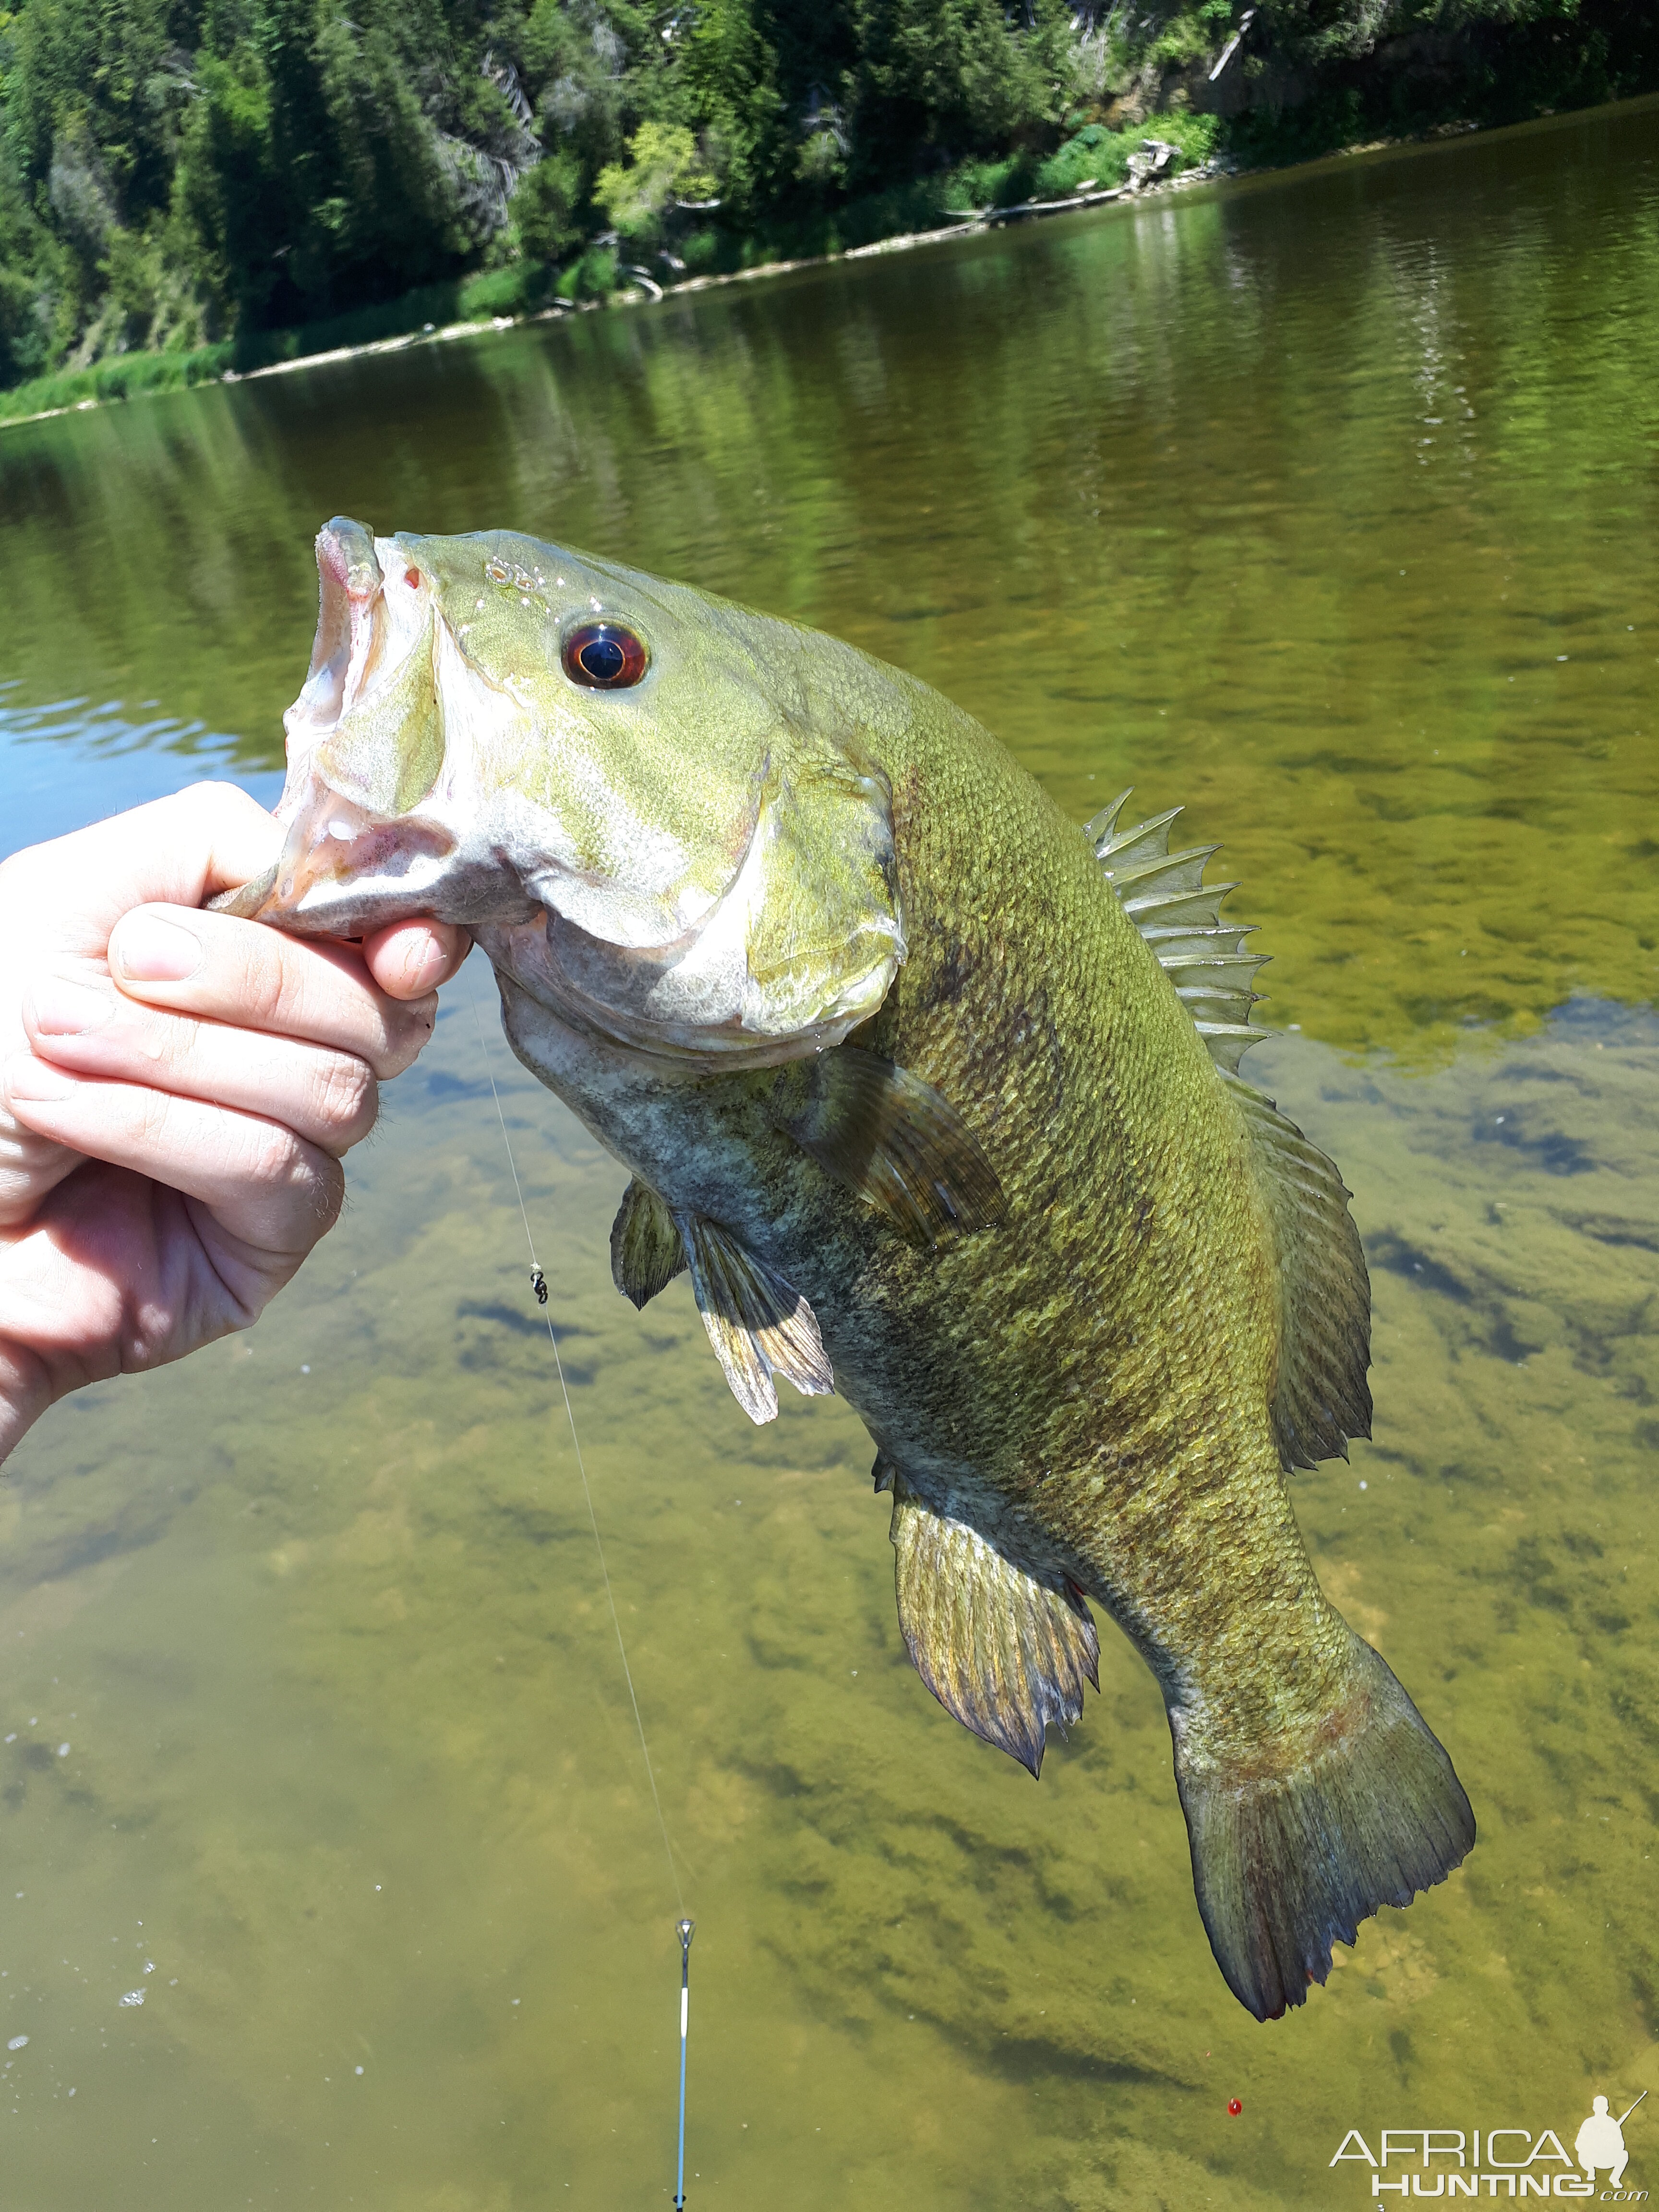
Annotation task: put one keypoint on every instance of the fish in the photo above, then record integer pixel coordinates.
(935, 1095)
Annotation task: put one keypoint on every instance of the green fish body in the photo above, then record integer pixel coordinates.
(935, 1094)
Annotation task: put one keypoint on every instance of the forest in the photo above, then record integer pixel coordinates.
(253, 177)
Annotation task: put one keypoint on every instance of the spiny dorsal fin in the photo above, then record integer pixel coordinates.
(1320, 1396)
(646, 1250)
(897, 1142)
(758, 1322)
(1179, 914)
(1006, 1654)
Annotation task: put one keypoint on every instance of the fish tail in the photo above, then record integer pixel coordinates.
(1289, 1855)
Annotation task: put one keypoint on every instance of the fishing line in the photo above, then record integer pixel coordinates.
(684, 1927)
(538, 1283)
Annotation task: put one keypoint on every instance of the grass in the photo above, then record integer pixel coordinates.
(123, 376)
(519, 290)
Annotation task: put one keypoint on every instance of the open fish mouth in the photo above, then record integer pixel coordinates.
(374, 832)
(356, 855)
(362, 631)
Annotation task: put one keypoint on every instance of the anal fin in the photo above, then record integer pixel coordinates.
(647, 1252)
(898, 1143)
(1003, 1651)
(758, 1322)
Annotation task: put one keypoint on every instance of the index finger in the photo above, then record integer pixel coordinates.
(250, 977)
(180, 851)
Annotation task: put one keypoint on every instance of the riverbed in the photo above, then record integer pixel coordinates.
(1324, 503)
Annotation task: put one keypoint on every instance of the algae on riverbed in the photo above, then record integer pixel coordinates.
(322, 1631)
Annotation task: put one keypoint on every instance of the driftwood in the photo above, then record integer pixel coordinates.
(1233, 44)
(1027, 208)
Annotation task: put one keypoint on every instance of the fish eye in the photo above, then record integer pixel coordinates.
(605, 656)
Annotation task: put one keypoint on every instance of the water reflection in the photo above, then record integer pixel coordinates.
(73, 761)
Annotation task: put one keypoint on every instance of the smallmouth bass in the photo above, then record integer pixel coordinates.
(935, 1095)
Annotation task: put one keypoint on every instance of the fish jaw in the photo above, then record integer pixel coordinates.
(687, 868)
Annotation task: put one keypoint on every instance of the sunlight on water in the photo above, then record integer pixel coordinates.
(317, 1738)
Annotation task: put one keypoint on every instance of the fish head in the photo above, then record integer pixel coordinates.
(630, 791)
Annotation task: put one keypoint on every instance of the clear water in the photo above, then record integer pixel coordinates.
(1325, 503)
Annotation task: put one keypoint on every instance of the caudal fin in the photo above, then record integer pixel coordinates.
(1286, 1862)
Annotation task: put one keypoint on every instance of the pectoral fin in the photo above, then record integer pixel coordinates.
(758, 1322)
(1004, 1652)
(646, 1250)
(898, 1143)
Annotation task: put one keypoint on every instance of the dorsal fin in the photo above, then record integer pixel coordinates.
(1320, 1396)
(1004, 1652)
(1179, 914)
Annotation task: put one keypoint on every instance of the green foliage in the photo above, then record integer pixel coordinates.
(955, 77)
(544, 207)
(592, 276)
(662, 167)
(23, 337)
(1099, 159)
(123, 378)
(175, 174)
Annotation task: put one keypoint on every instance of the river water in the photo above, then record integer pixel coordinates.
(1324, 502)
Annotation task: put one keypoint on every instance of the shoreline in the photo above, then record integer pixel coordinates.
(970, 223)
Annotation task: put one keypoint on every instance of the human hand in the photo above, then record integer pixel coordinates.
(177, 1090)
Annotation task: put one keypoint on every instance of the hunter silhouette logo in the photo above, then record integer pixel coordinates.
(1601, 2141)
(1499, 2162)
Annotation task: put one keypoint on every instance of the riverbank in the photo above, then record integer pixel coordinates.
(509, 299)
(141, 375)
(268, 196)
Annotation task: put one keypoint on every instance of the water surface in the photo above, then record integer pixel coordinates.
(1326, 503)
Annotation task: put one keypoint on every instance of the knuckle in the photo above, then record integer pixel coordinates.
(407, 1031)
(331, 1196)
(277, 1157)
(266, 994)
(304, 1189)
(347, 1094)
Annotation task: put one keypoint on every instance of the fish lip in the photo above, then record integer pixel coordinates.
(344, 872)
(350, 588)
(317, 888)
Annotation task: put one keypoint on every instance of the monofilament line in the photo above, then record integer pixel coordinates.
(575, 1445)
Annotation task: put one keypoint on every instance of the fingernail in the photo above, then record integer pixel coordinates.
(25, 1077)
(150, 951)
(62, 1008)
